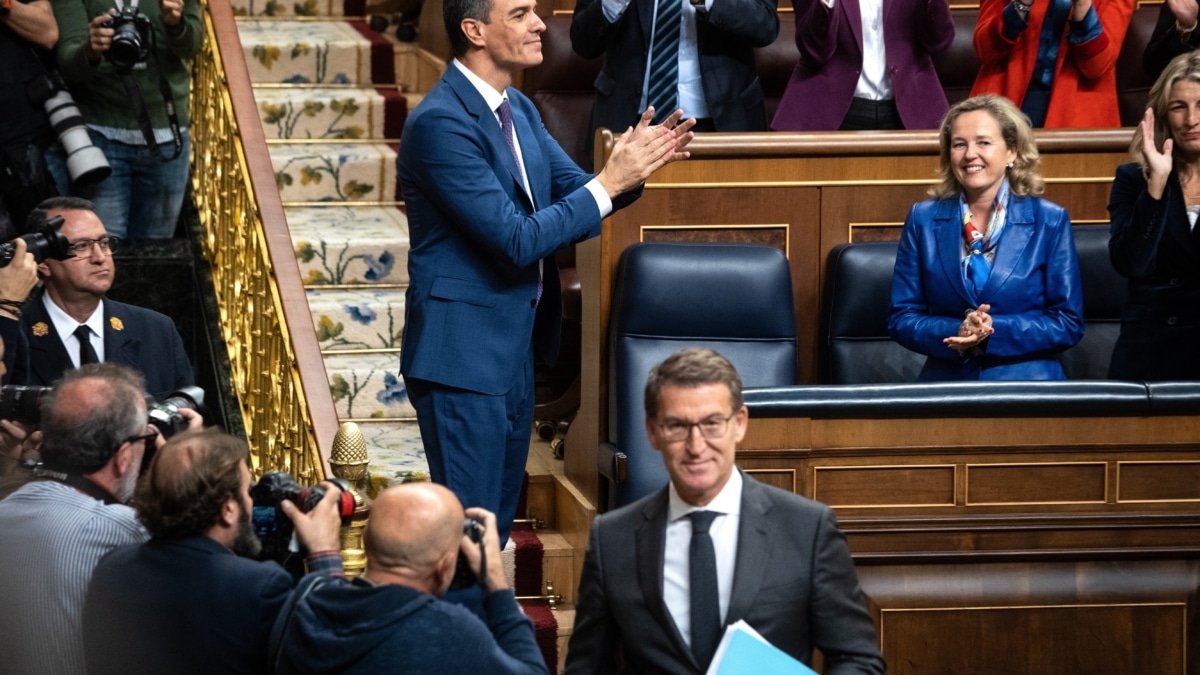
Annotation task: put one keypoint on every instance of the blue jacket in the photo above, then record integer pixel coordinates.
(476, 240)
(1034, 290)
(336, 626)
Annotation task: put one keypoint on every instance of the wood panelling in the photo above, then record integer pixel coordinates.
(1158, 481)
(1045, 482)
(871, 485)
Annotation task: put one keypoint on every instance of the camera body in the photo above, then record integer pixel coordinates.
(464, 577)
(130, 40)
(21, 403)
(164, 415)
(271, 524)
(46, 242)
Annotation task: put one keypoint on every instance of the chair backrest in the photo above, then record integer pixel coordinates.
(858, 295)
(958, 66)
(1104, 293)
(775, 64)
(1133, 82)
(734, 298)
(562, 88)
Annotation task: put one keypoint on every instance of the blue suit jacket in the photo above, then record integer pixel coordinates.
(476, 239)
(822, 85)
(136, 337)
(1034, 290)
(185, 606)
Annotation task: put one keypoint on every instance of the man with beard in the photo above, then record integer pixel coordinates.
(58, 526)
(190, 600)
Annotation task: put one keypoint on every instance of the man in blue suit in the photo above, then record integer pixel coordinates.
(73, 304)
(490, 197)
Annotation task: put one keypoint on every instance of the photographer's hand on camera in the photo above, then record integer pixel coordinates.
(319, 530)
(16, 280)
(100, 35)
(496, 580)
(17, 442)
(172, 15)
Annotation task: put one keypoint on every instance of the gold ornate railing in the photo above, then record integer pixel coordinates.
(277, 370)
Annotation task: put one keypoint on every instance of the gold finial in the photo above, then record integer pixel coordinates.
(349, 457)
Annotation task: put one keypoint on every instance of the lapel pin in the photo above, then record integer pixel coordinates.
(40, 329)
(116, 323)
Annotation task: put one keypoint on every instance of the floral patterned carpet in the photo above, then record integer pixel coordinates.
(332, 110)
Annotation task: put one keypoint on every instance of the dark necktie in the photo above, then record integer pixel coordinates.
(506, 123)
(662, 88)
(86, 353)
(702, 587)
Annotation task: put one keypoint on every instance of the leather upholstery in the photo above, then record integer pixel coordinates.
(775, 63)
(561, 88)
(734, 298)
(958, 65)
(857, 290)
(1133, 82)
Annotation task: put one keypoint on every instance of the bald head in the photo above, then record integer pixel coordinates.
(413, 528)
(89, 414)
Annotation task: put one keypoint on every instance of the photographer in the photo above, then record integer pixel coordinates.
(392, 618)
(24, 130)
(58, 526)
(188, 601)
(114, 55)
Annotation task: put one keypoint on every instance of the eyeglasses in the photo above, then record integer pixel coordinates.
(674, 431)
(144, 437)
(82, 248)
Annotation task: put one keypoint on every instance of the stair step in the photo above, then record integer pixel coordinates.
(395, 450)
(294, 8)
(316, 52)
(331, 113)
(368, 386)
(335, 172)
(350, 244)
(348, 319)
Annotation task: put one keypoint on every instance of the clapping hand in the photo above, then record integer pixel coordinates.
(1158, 163)
(973, 330)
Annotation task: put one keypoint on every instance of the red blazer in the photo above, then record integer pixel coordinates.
(1084, 93)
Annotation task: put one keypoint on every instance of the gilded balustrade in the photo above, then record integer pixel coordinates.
(277, 372)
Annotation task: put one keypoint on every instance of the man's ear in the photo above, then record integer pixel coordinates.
(230, 513)
(473, 29)
(443, 573)
(127, 459)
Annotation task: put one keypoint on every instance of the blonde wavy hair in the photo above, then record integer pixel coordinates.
(1023, 177)
(1182, 68)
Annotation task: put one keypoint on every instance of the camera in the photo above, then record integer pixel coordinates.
(20, 403)
(130, 40)
(164, 415)
(46, 242)
(86, 163)
(271, 524)
(464, 576)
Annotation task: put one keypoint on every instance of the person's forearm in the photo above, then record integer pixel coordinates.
(33, 22)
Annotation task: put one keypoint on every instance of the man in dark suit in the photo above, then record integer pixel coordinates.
(710, 68)
(73, 303)
(186, 601)
(663, 576)
(490, 197)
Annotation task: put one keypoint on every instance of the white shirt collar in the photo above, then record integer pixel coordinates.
(490, 96)
(727, 501)
(66, 325)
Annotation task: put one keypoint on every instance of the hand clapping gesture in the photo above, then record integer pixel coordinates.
(1158, 163)
(973, 330)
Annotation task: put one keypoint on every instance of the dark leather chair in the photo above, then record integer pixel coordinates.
(858, 350)
(1133, 83)
(734, 298)
(958, 66)
(1104, 293)
(775, 64)
(858, 295)
(561, 87)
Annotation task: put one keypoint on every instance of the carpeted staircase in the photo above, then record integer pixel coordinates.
(331, 107)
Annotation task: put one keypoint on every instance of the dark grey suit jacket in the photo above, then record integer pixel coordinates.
(794, 583)
(136, 337)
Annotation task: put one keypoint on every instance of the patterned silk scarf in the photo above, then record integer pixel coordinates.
(975, 266)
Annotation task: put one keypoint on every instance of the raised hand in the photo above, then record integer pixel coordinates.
(644, 149)
(1158, 163)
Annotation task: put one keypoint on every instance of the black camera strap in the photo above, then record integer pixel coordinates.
(143, 117)
(78, 482)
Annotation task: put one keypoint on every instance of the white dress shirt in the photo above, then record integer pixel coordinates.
(874, 81)
(676, 557)
(65, 325)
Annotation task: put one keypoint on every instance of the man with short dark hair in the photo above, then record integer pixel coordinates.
(391, 619)
(188, 601)
(71, 323)
(664, 576)
(57, 527)
(490, 197)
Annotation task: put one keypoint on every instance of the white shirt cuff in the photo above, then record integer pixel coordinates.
(601, 196)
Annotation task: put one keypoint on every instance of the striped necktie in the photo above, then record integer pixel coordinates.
(662, 90)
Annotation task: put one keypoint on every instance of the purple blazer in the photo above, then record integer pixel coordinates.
(830, 42)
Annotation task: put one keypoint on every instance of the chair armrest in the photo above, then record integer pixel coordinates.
(612, 463)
